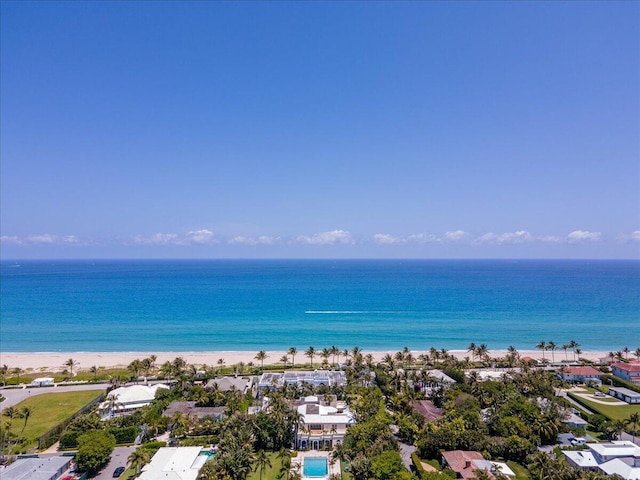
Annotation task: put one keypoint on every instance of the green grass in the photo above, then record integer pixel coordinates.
(48, 410)
(521, 472)
(613, 412)
(269, 473)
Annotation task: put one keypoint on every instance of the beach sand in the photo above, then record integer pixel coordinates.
(54, 361)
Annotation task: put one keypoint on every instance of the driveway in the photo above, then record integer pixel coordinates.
(118, 459)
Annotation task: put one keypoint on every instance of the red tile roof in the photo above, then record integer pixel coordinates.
(583, 371)
(627, 367)
(460, 461)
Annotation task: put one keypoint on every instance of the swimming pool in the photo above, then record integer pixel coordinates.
(315, 467)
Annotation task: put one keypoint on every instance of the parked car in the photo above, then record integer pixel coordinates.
(118, 471)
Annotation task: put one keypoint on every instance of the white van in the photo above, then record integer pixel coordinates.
(578, 441)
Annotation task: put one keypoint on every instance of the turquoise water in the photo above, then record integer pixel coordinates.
(251, 305)
(315, 467)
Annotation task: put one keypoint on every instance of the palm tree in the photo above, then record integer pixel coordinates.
(633, 422)
(94, 370)
(70, 363)
(5, 369)
(261, 355)
(636, 353)
(542, 345)
(472, 350)
(292, 351)
(25, 413)
(553, 347)
(573, 345)
(138, 458)
(284, 359)
(325, 354)
(565, 347)
(311, 352)
(110, 404)
(262, 461)
(134, 367)
(10, 413)
(334, 351)
(483, 351)
(626, 351)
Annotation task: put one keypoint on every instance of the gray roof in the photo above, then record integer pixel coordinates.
(226, 383)
(36, 468)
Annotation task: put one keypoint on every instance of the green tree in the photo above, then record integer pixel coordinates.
(387, 466)
(262, 461)
(542, 345)
(71, 363)
(94, 449)
(24, 414)
(633, 423)
(292, 352)
(261, 355)
(138, 458)
(310, 352)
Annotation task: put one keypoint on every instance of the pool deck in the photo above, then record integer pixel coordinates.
(299, 460)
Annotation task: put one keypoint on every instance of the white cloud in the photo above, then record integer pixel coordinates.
(158, 239)
(423, 238)
(455, 236)
(386, 239)
(11, 239)
(261, 240)
(578, 236)
(327, 238)
(200, 236)
(45, 238)
(521, 236)
(633, 237)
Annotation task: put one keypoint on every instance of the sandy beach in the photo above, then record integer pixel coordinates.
(54, 361)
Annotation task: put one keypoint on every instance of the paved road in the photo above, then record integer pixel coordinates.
(118, 459)
(16, 395)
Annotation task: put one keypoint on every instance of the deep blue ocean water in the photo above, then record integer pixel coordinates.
(250, 305)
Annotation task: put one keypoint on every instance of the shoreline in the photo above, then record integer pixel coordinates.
(53, 361)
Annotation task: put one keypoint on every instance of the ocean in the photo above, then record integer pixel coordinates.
(251, 305)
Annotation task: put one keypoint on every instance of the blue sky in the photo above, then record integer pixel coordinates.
(320, 129)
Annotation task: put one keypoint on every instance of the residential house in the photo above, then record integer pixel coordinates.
(614, 458)
(176, 463)
(323, 422)
(129, 399)
(466, 463)
(625, 394)
(627, 371)
(224, 384)
(50, 468)
(583, 374)
(316, 378)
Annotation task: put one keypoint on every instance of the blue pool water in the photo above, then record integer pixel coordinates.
(315, 467)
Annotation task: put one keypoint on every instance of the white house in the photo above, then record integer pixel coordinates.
(299, 377)
(618, 457)
(175, 463)
(323, 422)
(128, 399)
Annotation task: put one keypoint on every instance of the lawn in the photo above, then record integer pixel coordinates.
(269, 473)
(521, 472)
(48, 410)
(613, 412)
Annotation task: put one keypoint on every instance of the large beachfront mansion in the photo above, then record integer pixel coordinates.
(323, 422)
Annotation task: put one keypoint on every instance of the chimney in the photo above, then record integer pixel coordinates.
(467, 464)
